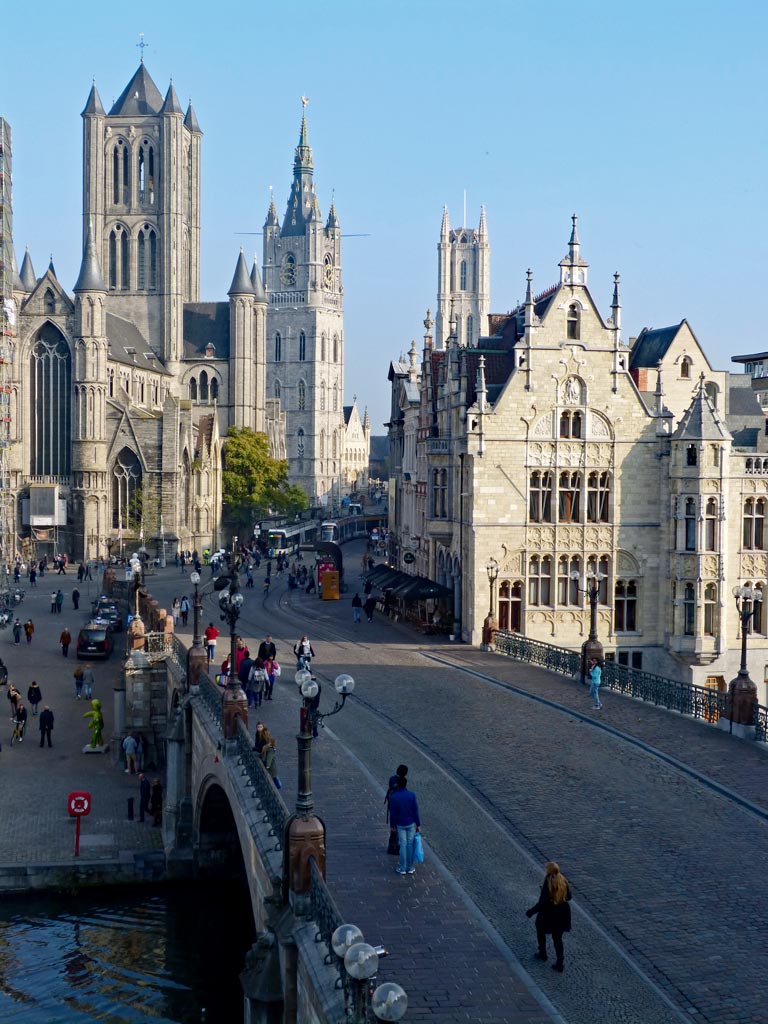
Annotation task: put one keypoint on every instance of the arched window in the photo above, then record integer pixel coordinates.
(121, 174)
(300, 442)
(278, 389)
(599, 565)
(570, 424)
(328, 275)
(685, 368)
(540, 580)
(470, 330)
(288, 271)
(322, 444)
(214, 389)
(756, 624)
(463, 276)
(569, 498)
(710, 525)
(192, 389)
(322, 396)
(335, 397)
(50, 403)
(335, 348)
(710, 609)
(598, 497)
(625, 606)
(126, 491)
(510, 605)
(689, 524)
(111, 383)
(335, 450)
(278, 347)
(146, 172)
(574, 322)
(203, 386)
(567, 588)
(540, 501)
(753, 524)
(147, 255)
(302, 346)
(119, 259)
(322, 347)
(302, 394)
(49, 302)
(689, 609)
(691, 455)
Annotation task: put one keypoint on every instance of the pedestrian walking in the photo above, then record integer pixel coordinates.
(144, 795)
(595, 679)
(184, 608)
(62, 567)
(553, 914)
(367, 588)
(303, 651)
(156, 803)
(33, 577)
(59, 601)
(88, 682)
(267, 649)
(29, 629)
(13, 698)
(129, 748)
(53, 602)
(65, 640)
(257, 681)
(88, 575)
(357, 606)
(76, 598)
(80, 572)
(46, 726)
(176, 610)
(78, 677)
(211, 635)
(270, 671)
(244, 676)
(17, 632)
(34, 696)
(404, 820)
(20, 722)
(369, 607)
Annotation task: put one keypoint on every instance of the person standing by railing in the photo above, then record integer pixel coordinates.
(595, 679)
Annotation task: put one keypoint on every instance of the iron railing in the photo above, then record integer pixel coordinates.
(210, 694)
(269, 800)
(325, 914)
(697, 701)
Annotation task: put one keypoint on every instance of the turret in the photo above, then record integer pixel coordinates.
(573, 269)
(27, 273)
(242, 362)
(259, 346)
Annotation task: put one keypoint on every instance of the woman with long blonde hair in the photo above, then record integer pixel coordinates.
(553, 914)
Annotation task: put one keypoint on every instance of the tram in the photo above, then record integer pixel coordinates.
(329, 531)
(286, 540)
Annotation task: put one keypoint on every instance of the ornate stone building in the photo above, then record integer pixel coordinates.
(556, 448)
(121, 393)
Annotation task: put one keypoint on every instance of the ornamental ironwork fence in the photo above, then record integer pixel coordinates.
(210, 694)
(325, 915)
(697, 701)
(269, 801)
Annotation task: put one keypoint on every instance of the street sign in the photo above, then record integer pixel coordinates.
(409, 557)
(78, 804)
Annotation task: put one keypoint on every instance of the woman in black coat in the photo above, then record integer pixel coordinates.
(553, 914)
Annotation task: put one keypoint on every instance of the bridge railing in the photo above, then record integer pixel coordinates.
(325, 915)
(210, 694)
(697, 701)
(270, 802)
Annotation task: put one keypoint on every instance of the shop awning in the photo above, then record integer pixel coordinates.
(419, 588)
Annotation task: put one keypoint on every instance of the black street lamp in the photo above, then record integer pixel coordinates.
(742, 692)
(361, 965)
(235, 703)
(591, 648)
(197, 609)
(489, 626)
(197, 659)
(305, 832)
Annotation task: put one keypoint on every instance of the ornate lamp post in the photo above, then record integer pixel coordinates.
(235, 703)
(304, 830)
(361, 965)
(490, 625)
(197, 659)
(742, 692)
(591, 648)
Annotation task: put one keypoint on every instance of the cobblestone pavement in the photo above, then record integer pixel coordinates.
(37, 828)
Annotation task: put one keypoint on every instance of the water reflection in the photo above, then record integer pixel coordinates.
(124, 956)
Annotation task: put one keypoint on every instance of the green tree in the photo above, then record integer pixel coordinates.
(253, 483)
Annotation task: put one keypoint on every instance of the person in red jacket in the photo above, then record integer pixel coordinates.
(211, 635)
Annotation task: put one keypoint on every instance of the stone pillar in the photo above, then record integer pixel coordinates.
(197, 662)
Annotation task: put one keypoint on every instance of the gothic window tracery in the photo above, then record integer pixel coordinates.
(146, 172)
(126, 490)
(119, 259)
(278, 347)
(300, 443)
(147, 243)
(302, 346)
(510, 605)
(50, 406)
(302, 394)
(121, 174)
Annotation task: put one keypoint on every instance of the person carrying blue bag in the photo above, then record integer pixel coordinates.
(404, 819)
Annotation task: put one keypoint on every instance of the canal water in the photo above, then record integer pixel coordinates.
(124, 956)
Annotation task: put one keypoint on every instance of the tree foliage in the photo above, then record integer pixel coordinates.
(253, 483)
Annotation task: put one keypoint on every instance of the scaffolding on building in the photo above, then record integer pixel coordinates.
(7, 326)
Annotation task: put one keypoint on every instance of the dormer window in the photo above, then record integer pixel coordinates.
(685, 368)
(574, 322)
(691, 455)
(210, 350)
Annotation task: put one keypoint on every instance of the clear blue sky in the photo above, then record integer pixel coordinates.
(646, 119)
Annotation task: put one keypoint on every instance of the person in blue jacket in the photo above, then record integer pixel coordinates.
(404, 819)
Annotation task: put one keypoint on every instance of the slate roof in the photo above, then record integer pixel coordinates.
(89, 279)
(652, 344)
(700, 421)
(256, 281)
(749, 358)
(190, 121)
(171, 104)
(129, 346)
(347, 410)
(241, 282)
(93, 103)
(206, 322)
(140, 96)
(27, 274)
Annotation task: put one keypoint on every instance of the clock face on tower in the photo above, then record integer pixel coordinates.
(328, 271)
(288, 271)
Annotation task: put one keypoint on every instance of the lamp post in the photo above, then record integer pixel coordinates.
(591, 648)
(742, 692)
(235, 703)
(361, 965)
(197, 659)
(305, 832)
(490, 625)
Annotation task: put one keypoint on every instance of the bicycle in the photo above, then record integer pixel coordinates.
(18, 731)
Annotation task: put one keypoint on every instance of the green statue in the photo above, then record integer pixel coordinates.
(96, 723)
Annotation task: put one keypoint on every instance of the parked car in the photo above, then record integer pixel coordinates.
(105, 608)
(95, 640)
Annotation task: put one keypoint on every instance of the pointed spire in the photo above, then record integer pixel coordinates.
(271, 221)
(480, 384)
(314, 215)
(483, 229)
(300, 207)
(51, 268)
(429, 323)
(529, 287)
(452, 325)
(89, 279)
(659, 390)
(333, 220)
(366, 420)
(258, 284)
(573, 243)
(445, 227)
(569, 274)
(241, 282)
(616, 302)
(412, 356)
(140, 96)
(93, 105)
(27, 273)
(190, 120)
(171, 104)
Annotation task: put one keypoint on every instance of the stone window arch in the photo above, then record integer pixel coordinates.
(126, 490)
(302, 394)
(463, 276)
(510, 605)
(119, 259)
(50, 403)
(278, 347)
(574, 322)
(147, 258)
(121, 173)
(300, 442)
(302, 346)
(146, 172)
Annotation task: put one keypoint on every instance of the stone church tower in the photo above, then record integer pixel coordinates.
(463, 282)
(305, 330)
